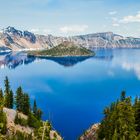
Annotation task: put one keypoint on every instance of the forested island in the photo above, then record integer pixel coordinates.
(24, 121)
(121, 121)
(64, 49)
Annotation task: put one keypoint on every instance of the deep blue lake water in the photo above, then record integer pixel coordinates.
(72, 92)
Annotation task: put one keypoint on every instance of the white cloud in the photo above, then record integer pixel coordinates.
(131, 18)
(114, 19)
(41, 31)
(115, 24)
(47, 31)
(112, 13)
(34, 30)
(74, 29)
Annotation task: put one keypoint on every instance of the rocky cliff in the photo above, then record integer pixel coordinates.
(12, 128)
(91, 133)
(16, 40)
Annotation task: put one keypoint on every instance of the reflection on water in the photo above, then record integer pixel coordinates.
(74, 97)
(12, 60)
(68, 61)
(128, 60)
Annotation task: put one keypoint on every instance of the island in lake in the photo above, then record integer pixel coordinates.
(64, 49)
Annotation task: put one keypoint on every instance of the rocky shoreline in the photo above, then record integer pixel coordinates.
(91, 133)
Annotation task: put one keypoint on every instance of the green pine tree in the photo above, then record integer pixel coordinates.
(7, 93)
(1, 98)
(11, 99)
(26, 104)
(39, 114)
(3, 122)
(119, 121)
(7, 85)
(125, 121)
(35, 108)
(123, 96)
(115, 135)
(137, 114)
(19, 99)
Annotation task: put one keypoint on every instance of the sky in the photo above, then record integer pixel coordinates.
(72, 17)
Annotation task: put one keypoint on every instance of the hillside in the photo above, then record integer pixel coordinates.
(24, 122)
(12, 39)
(121, 121)
(14, 128)
(11, 126)
(64, 49)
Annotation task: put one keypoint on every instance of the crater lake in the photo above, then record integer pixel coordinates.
(73, 91)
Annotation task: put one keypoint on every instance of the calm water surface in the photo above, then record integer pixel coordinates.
(72, 92)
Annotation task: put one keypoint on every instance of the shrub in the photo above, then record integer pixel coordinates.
(3, 122)
(33, 121)
(20, 121)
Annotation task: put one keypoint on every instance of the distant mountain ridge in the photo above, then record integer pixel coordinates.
(12, 39)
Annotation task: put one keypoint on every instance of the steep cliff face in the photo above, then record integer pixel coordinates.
(16, 40)
(91, 133)
(13, 128)
(106, 40)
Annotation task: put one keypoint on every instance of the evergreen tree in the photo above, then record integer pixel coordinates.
(115, 135)
(7, 93)
(7, 85)
(26, 104)
(119, 121)
(123, 96)
(7, 100)
(138, 137)
(22, 101)
(11, 99)
(126, 120)
(33, 121)
(1, 98)
(137, 114)
(1, 95)
(3, 122)
(39, 114)
(35, 108)
(19, 99)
